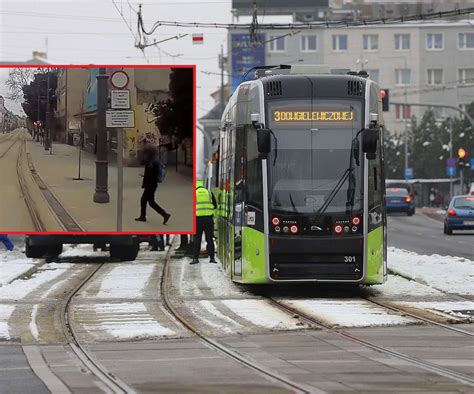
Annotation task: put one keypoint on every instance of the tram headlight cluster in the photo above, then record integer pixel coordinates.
(347, 226)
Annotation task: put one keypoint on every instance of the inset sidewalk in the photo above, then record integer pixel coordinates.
(59, 169)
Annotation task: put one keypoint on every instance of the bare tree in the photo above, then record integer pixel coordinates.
(17, 78)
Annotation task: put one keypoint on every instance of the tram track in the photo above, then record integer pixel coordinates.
(15, 138)
(446, 372)
(219, 347)
(110, 381)
(420, 318)
(29, 201)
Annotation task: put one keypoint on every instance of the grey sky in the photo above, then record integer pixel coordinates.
(83, 31)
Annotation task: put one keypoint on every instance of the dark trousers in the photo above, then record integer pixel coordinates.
(157, 242)
(204, 224)
(148, 196)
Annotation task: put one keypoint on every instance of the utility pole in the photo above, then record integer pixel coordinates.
(101, 194)
(450, 155)
(47, 133)
(38, 116)
(405, 109)
(119, 179)
(222, 80)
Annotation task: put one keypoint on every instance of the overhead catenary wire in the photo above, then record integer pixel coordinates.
(309, 25)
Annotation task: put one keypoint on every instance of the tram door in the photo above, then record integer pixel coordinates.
(239, 196)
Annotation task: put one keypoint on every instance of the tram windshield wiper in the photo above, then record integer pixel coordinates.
(348, 174)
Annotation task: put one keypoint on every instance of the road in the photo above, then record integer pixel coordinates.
(423, 235)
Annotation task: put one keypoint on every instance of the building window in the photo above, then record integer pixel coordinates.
(402, 76)
(309, 43)
(402, 42)
(276, 44)
(466, 75)
(373, 75)
(370, 42)
(435, 76)
(434, 41)
(339, 42)
(466, 40)
(402, 111)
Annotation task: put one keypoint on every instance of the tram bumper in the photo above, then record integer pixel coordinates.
(316, 259)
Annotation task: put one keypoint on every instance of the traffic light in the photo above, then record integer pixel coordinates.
(462, 158)
(384, 95)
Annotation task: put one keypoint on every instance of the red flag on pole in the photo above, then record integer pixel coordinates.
(198, 38)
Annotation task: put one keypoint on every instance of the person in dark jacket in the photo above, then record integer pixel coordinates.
(150, 184)
(6, 241)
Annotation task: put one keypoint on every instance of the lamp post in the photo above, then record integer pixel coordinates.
(101, 194)
(47, 132)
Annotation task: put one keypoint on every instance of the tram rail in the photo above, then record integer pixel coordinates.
(219, 347)
(111, 382)
(446, 372)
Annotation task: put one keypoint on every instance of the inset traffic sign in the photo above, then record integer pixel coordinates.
(119, 79)
(120, 99)
(409, 173)
(124, 119)
(451, 171)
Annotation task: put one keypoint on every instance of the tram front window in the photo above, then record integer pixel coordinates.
(312, 156)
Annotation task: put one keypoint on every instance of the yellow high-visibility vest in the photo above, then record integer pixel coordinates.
(204, 205)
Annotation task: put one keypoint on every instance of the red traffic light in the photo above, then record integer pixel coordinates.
(382, 94)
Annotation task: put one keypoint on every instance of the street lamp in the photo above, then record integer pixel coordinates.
(101, 194)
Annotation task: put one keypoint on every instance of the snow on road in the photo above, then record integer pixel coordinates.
(397, 286)
(122, 281)
(14, 264)
(462, 309)
(347, 312)
(445, 273)
(260, 313)
(123, 321)
(5, 313)
(20, 288)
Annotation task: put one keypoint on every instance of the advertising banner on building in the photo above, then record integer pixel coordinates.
(245, 55)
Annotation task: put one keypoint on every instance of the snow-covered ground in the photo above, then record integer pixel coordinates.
(347, 312)
(445, 273)
(130, 320)
(13, 264)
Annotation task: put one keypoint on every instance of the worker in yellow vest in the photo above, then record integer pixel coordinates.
(205, 205)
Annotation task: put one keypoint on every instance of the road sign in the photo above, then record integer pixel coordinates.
(409, 173)
(120, 99)
(119, 79)
(451, 171)
(124, 119)
(451, 162)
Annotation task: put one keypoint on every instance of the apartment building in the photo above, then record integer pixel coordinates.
(419, 62)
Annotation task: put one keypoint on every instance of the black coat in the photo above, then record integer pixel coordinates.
(152, 171)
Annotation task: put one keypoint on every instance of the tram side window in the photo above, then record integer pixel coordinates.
(375, 180)
(254, 170)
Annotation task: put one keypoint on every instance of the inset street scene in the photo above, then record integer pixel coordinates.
(97, 149)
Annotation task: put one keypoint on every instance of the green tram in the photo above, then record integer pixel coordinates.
(300, 181)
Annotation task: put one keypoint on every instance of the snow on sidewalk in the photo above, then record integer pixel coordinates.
(446, 273)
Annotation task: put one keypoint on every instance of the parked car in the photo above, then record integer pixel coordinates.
(460, 214)
(402, 185)
(399, 200)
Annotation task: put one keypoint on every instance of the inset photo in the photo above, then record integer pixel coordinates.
(92, 149)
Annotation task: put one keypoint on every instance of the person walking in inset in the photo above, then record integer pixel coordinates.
(150, 184)
(205, 205)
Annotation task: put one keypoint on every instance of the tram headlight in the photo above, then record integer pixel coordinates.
(355, 220)
(338, 229)
(276, 221)
(294, 229)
